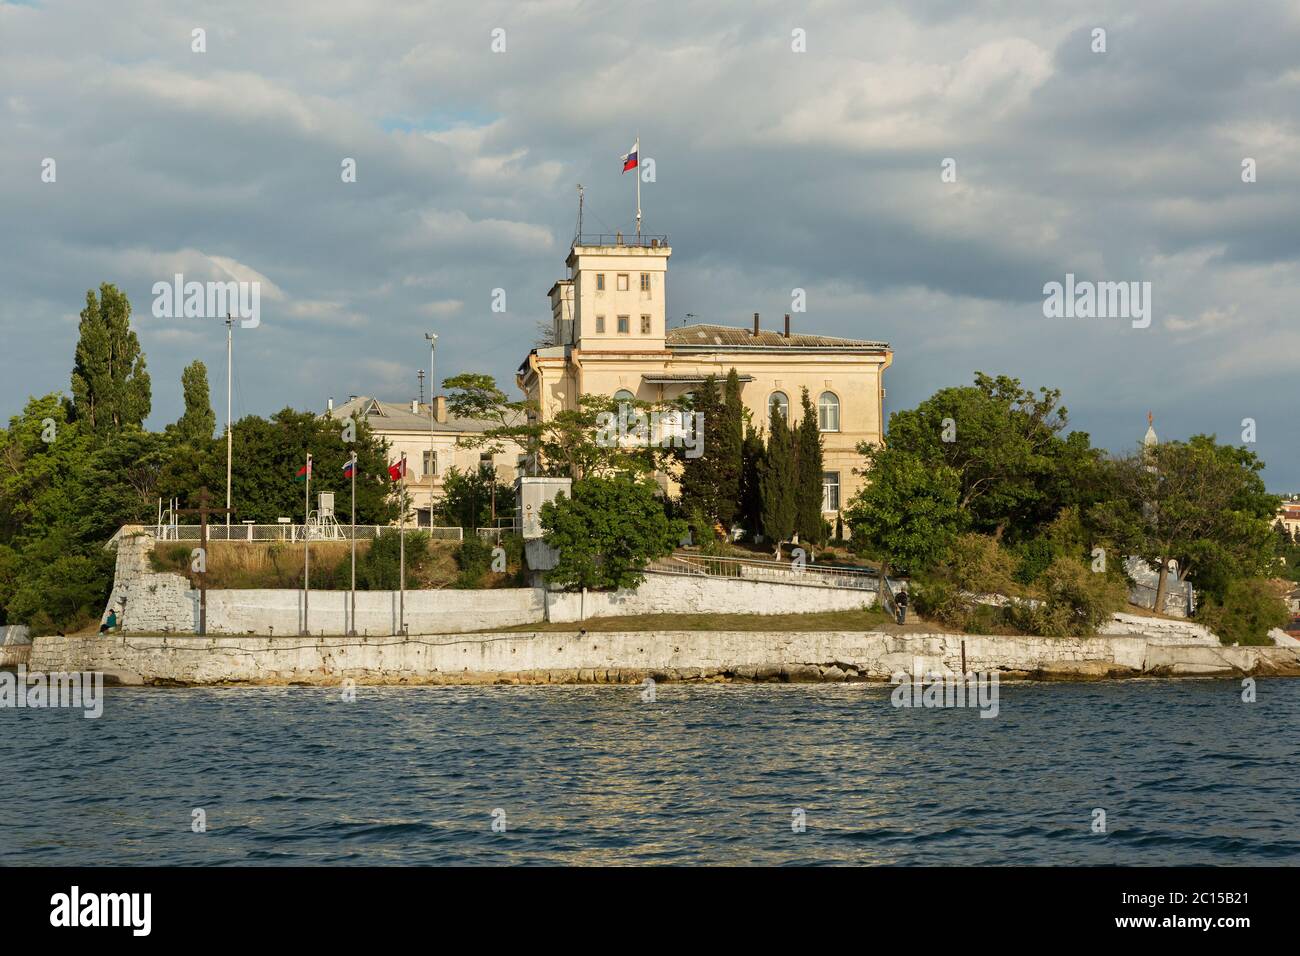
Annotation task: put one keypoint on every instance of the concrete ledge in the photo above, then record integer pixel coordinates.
(621, 657)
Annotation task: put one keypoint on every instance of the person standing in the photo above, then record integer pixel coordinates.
(900, 603)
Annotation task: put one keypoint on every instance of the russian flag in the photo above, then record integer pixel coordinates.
(630, 158)
(349, 466)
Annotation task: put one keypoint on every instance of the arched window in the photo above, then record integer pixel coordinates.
(778, 403)
(828, 412)
(623, 395)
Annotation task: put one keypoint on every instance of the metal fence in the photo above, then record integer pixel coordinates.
(292, 532)
(759, 570)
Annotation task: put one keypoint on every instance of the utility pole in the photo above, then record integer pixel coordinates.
(419, 373)
(306, 547)
(229, 433)
(203, 511)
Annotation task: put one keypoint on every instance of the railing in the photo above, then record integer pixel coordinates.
(292, 532)
(759, 570)
(620, 239)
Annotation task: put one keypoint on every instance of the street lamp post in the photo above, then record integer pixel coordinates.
(433, 343)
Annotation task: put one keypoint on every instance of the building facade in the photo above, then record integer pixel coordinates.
(611, 338)
(429, 437)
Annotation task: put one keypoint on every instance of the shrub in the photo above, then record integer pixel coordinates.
(1249, 610)
(379, 568)
(474, 558)
(1036, 556)
(1073, 600)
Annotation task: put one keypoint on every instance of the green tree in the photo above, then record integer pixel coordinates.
(198, 420)
(700, 475)
(608, 531)
(809, 475)
(1247, 611)
(752, 455)
(908, 514)
(468, 498)
(1014, 470)
(110, 387)
(777, 480)
(267, 454)
(1199, 503)
(728, 448)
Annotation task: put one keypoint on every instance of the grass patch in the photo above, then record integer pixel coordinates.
(274, 564)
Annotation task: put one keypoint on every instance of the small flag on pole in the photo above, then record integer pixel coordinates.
(349, 467)
(304, 472)
(398, 471)
(630, 157)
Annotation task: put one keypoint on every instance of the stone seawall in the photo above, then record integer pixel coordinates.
(623, 657)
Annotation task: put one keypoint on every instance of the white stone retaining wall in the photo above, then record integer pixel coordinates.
(700, 594)
(629, 656)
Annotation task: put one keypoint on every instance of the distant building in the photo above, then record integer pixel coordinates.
(611, 338)
(428, 436)
(1289, 517)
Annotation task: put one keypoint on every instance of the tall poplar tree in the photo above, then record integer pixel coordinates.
(110, 387)
(199, 420)
(809, 469)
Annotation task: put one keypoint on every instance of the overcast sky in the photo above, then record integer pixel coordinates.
(775, 170)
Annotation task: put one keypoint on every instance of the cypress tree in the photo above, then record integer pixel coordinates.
(751, 494)
(809, 470)
(110, 387)
(730, 439)
(776, 481)
(699, 475)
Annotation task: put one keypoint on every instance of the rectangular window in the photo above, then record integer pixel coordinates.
(622, 282)
(830, 491)
(622, 325)
(645, 282)
(600, 325)
(430, 468)
(645, 325)
(600, 282)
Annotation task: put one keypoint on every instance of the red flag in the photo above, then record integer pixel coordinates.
(397, 471)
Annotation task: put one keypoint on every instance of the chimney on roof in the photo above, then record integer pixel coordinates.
(756, 324)
(787, 325)
(352, 398)
(440, 408)
(330, 404)
(415, 406)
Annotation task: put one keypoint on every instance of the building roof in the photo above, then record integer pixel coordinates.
(740, 337)
(398, 417)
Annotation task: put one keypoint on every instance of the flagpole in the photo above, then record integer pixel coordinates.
(638, 185)
(306, 547)
(401, 601)
(353, 630)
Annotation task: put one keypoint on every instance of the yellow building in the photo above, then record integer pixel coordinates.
(609, 326)
(430, 438)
